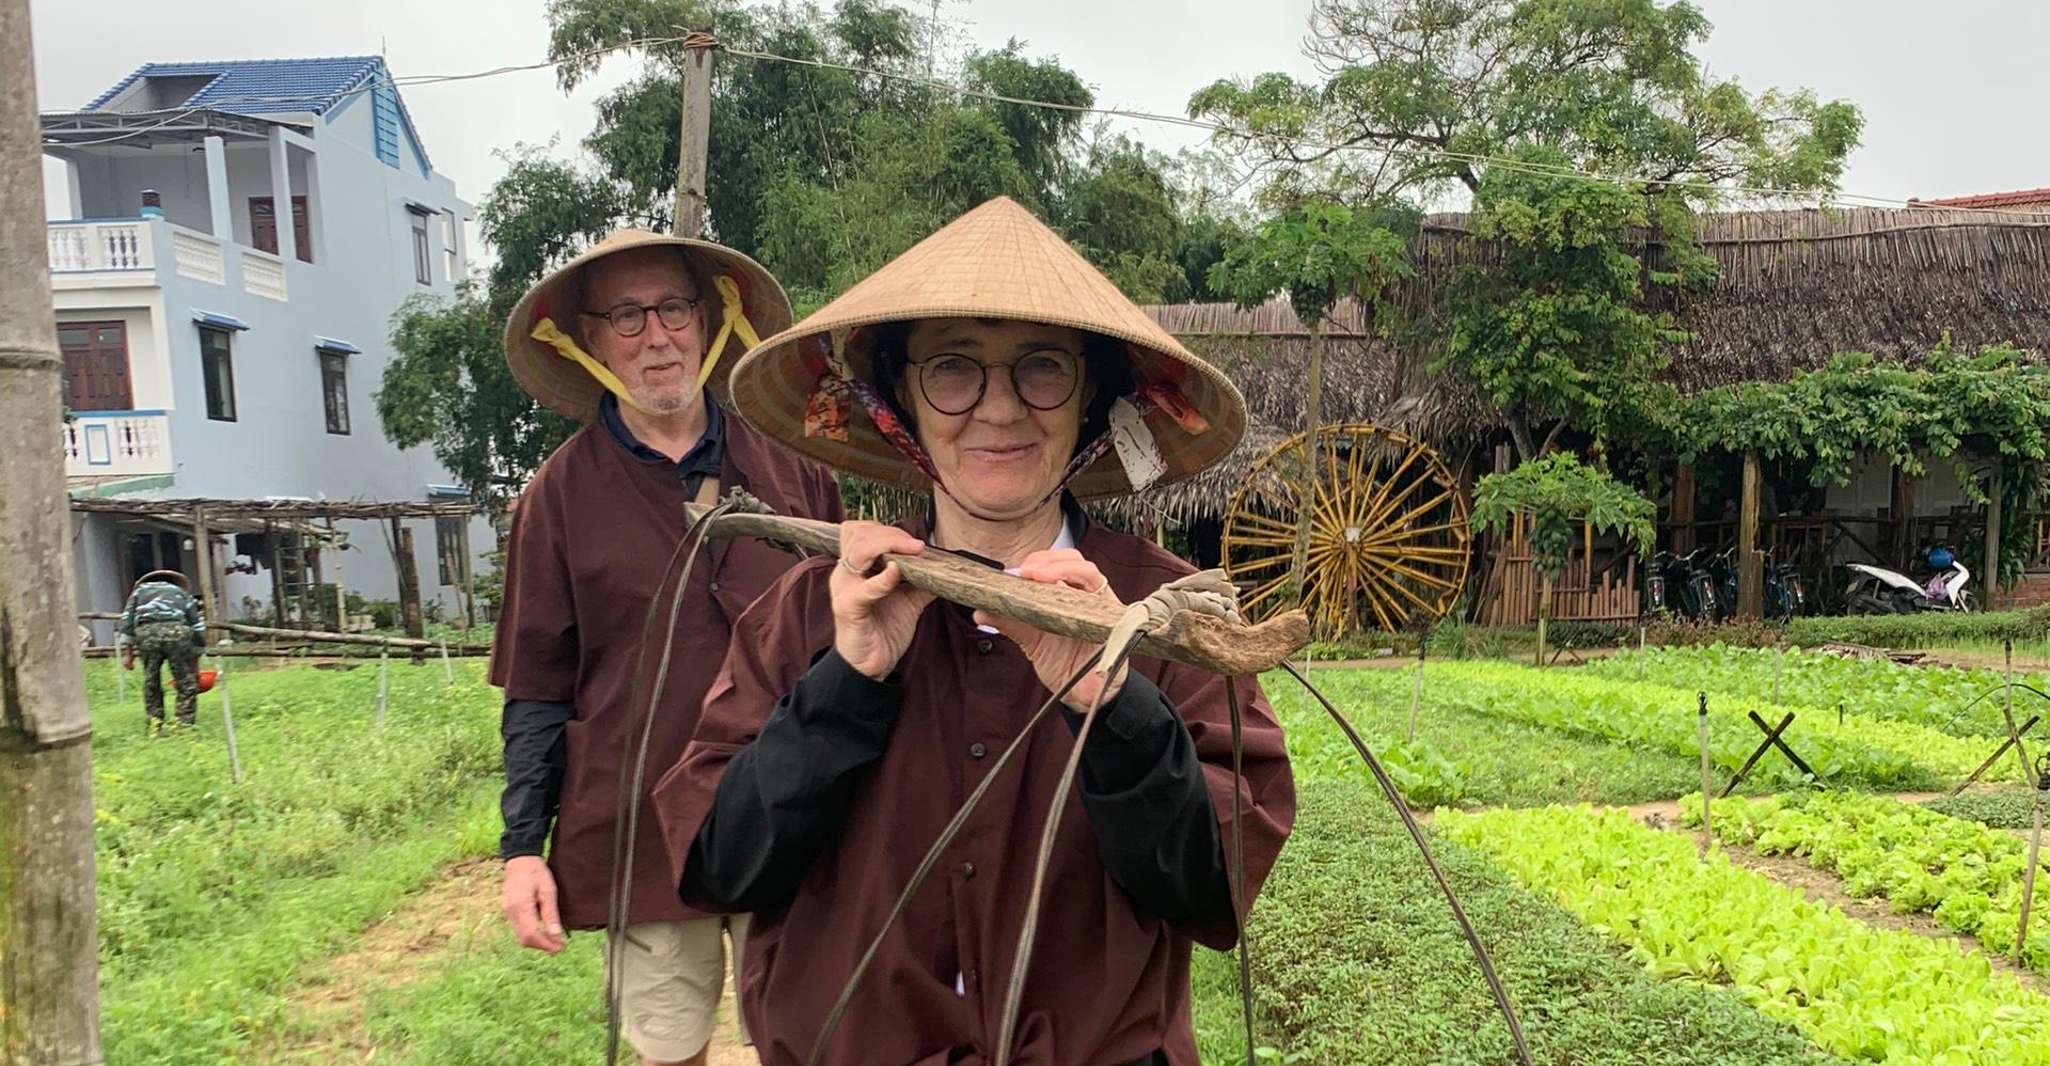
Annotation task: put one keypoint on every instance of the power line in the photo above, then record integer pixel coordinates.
(699, 39)
(1471, 159)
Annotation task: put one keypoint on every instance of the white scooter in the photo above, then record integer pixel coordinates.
(1878, 590)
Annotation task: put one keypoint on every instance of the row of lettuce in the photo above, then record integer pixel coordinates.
(1856, 991)
(1895, 742)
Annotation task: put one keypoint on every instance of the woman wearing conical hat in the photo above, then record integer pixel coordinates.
(854, 713)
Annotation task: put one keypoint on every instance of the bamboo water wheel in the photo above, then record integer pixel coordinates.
(1389, 538)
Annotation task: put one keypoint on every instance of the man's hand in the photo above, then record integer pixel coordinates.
(530, 904)
(128, 657)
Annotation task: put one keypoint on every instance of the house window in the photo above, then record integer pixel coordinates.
(423, 263)
(95, 366)
(448, 549)
(334, 390)
(217, 368)
(449, 224)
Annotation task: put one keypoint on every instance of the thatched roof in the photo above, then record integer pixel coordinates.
(1794, 288)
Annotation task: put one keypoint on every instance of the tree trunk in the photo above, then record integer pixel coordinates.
(1544, 606)
(1519, 434)
(1313, 414)
(49, 962)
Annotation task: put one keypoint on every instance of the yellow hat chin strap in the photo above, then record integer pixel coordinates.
(546, 332)
(733, 321)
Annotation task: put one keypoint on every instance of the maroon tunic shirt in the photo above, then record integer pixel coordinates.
(590, 540)
(1108, 984)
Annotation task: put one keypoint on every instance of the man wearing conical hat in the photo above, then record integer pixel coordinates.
(855, 714)
(636, 338)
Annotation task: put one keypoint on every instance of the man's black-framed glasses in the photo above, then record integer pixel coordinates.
(629, 319)
(1043, 380)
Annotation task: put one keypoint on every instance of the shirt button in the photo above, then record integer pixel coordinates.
(976, 749)
(985, 645)
(967, 869)
(715, 586)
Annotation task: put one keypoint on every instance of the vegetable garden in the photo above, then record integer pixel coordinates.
(1562, 802)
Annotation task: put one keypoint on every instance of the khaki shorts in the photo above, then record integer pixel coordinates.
(669, 980)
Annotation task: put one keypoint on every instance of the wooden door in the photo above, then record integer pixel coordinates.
(95, 366)
(263, 227)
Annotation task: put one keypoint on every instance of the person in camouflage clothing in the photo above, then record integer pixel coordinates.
(163, 619)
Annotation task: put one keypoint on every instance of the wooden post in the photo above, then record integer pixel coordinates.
(1416, 688)
(469, 581)
(277, 576)
(228, 721)
(695, 140)
(203, 554)
(341, 590)
(1307, 497)
(2021, 931)
(1903, 507)
(1701, 731)
(383, 682)
(1544, 609)
(1750, 563)
(49, 955)
(1990, 580)
(1683, 509)
(409, 579)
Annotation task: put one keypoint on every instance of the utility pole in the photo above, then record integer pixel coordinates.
(49, 959)
(696, 134)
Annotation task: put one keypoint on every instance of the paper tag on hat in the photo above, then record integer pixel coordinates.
(1138, 453)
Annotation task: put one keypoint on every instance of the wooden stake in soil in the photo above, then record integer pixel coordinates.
(1777, 653)
(1701, 730)
(228, 721)
(1640, 651)
(2007, 711)
(448, 672)
(1416, 688)
(383, 682)
(2021, 932)
(120, 674)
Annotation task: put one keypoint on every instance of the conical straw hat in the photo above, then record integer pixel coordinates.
(564, 385)
(996, 261)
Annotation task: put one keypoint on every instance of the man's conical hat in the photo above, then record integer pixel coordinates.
(558, 380)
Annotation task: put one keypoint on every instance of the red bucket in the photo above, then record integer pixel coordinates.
(206, 680)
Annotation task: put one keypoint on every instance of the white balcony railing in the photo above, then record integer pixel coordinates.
(76, 247)
(197, 255)
(263, 274)
(117, 443)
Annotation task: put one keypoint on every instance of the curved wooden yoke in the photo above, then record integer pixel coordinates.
(1194, 639)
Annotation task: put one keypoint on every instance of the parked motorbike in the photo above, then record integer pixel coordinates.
(1786, 592)
(1879, 590)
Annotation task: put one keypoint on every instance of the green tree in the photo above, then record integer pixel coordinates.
(823, 173)
(1315, 254)
(1502, 101)
(1556, 492)
(448, 388)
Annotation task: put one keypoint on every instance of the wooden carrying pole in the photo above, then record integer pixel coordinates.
(49, 955)
(1198, 640)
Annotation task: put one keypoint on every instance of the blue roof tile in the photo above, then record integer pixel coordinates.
(268, 86)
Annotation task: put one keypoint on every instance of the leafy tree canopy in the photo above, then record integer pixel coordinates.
(1556, 491)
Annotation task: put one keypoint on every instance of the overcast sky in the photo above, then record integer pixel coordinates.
(1952, 93)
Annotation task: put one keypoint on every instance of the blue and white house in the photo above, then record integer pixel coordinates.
(239, 235)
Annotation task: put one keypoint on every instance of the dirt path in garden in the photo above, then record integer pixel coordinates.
(330, 1009)
(1404, 662)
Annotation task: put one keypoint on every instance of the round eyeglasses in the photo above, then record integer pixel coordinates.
(1042, 380)
(629, 319)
